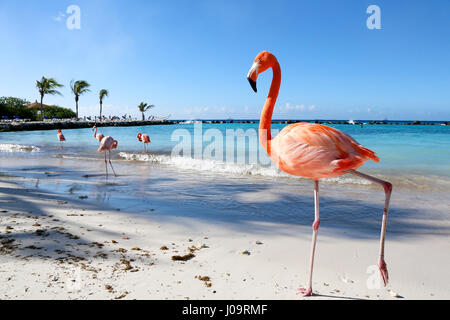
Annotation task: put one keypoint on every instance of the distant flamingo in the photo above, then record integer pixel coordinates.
(99, 136)
(143, 138)
(106, 144)
(314, 151)
(61, 138)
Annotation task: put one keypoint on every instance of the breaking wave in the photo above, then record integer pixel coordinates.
(207, 165)
(18, 148)
(216, 166)
(400, 180)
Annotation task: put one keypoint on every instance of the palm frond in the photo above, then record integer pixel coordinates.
(103, 93)
(145, 106)
(53, 83)
(47, 86)
(79, 87)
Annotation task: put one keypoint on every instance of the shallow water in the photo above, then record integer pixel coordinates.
(232, 191)
(411, 156)
(142, 187)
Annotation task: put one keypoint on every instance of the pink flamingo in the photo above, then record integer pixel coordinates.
(61, 138)
(106, 144)
(143, 138)
(314, 151)
(99, 136)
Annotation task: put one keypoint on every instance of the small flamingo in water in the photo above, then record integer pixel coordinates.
(61, 138)
(99, 136)
(143, 138)
(106, 144)
(314, 151)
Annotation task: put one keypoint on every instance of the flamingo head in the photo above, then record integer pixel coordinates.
(139, 136)
(262, 62)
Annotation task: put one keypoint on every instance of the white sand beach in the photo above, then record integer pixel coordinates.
(80, 244)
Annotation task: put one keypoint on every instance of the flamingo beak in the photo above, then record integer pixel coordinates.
(252, 84)
(253, 75)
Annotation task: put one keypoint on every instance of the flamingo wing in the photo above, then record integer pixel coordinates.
(106, 144)
(146, 138)
(61, 137)
(317, 151)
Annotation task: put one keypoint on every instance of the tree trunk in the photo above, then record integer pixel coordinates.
(76, 103)
(143, 116)
(100, 110)
(42, 114)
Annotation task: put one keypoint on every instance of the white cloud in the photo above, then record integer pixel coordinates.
(59, 17)
(299, 107)
(207, 110)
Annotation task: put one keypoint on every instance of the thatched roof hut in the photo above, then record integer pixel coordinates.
(36, 105)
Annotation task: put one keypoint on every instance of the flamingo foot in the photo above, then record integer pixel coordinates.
(305, 292)
(383, 271)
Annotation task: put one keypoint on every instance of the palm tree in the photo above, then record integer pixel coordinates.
(78, 88)
(144, 107)
(47, 86)
(103, 93)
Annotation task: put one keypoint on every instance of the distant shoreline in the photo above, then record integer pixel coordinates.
(75, 124)
(6, 126)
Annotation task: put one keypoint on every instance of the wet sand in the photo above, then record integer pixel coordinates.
(70, 243)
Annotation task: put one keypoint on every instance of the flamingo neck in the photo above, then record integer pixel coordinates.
(95, 133)
(265, 122)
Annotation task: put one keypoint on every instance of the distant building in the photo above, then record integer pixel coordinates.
(36, 105)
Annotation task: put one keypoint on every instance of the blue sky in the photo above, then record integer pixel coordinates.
(190, 58)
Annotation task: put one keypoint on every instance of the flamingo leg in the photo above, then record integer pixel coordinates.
(106, 166)
(115, 175)
(387, 190)
(315, 227)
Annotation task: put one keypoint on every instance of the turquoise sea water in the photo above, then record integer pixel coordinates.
(403, 150)
(414, 158)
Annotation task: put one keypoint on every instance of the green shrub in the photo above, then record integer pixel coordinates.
(60, 113)
(10, 106)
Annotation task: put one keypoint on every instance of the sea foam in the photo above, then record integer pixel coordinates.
(18, 148)
(220, 167)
